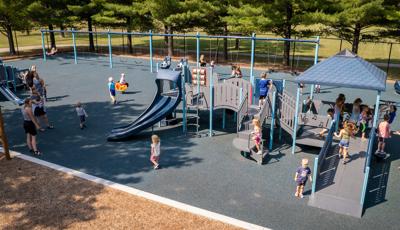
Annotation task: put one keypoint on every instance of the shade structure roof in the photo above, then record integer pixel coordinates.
(345, 69)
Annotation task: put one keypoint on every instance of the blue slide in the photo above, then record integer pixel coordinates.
(10, 95)
(164, 103)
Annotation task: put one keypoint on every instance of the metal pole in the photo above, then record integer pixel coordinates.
(364, 188)
(376, 112)
(340, 47)
(151, 50)
(109, 48)
(74, 45)
(271, 133)
(184, 98)
(157, 67)
(390, 56)
(315, 62)
(16, 41)
(253, 84)
(296, 117)
(211, 100)
(197, 60)
(314, 182)
(14, 80)
(280, 126)
(223, 118)
(43, 46)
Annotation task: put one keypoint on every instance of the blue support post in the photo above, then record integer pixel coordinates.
(364, 188)
(315, 62)
(109, 48)
(74, 45)
(211, 102)
(151, 50)
(376, 112)
(315, 172)
(252, 80)
(296, 120)
(198, 61)
(280, 126)
(184, 98)
(14, 79)
(223, 118)
(271, 133)
(43, 46)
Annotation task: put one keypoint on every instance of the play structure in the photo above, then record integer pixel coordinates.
(338, 187)
(11, 79)
(167, 98)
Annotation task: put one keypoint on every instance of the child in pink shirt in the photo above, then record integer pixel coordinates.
(383, 133)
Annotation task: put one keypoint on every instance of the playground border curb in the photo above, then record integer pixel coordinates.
(133, 191)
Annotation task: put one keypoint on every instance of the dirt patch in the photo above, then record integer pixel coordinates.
(36, 197)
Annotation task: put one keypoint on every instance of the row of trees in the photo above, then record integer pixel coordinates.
(351, 20)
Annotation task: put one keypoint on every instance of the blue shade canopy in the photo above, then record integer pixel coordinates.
(345, 69)
(171, 75)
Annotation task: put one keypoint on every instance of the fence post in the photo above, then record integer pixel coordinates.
(151, 50)
(315, 62)
(74, 45)
(109, 48)
(271, 133)
(253, 44)
(211, 101)
(314, 182)
(296, 118)
(43, 46)
(390, 56)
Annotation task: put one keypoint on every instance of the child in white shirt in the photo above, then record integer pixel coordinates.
(81, 114)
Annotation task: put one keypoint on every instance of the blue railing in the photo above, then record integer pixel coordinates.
(367, 164)
(322, 154)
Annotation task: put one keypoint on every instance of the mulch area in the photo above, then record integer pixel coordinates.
(36, 197)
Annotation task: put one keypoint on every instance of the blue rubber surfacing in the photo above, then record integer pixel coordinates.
(204, 172)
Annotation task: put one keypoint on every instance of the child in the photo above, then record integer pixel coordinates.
(265, 85)
(212, 64)
(301, 86)
(111, 89)
(344, 135)
(330, 115)
(155, 151)
(317, 89)
(302, 174)
(392, 113)
(81, 114)
(39, 110)
(122, 80)
(202, 61)
(257, 135)
(363, 121)
(383, 133)
(355, 113)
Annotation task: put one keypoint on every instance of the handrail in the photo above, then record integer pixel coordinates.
(242, 112)
(367, 164)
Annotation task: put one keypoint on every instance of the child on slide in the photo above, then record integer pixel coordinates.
(257, 135)
(155, 151)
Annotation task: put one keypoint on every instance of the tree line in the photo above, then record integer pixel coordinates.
(350, 20)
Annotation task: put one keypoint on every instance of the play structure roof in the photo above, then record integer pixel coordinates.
(171, 75)
(345, 69)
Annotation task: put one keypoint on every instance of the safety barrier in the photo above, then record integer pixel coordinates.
(242, 112)
(318, 161)
(287, 110)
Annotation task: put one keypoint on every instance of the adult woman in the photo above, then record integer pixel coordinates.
(30, 126)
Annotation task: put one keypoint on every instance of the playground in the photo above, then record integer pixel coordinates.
(207, 172)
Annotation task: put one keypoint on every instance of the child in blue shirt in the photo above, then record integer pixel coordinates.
(264, 85)
(111, 89)
(302, 174)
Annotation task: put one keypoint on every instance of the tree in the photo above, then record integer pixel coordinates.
(354, 20)
(48, 13)
(282, 17)
(392, 28)
(130, 14)
(84, 10)
(12, 17)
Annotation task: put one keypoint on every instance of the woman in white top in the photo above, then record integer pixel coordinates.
(155, 151)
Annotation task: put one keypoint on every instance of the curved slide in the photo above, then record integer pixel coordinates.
(10, 95)
(162, 105)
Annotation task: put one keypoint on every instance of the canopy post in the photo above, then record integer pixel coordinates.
(315, 62)
(280, 127)
(296, 118)
(183, 82)
(376, 112)
(211, 101)
(151, 50)
(271, 133)
(74, 45)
